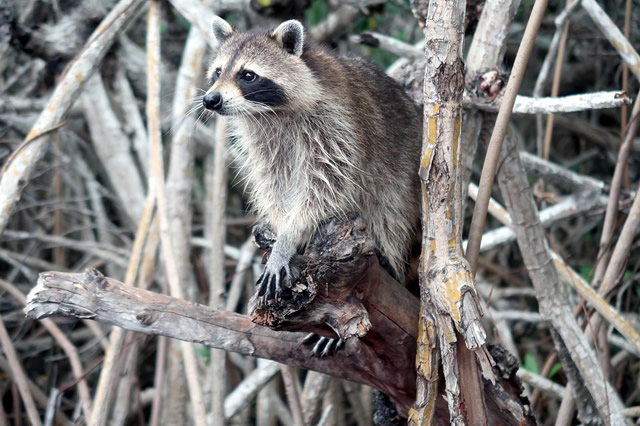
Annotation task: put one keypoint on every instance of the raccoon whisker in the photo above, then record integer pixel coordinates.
(196, 100)
(199, 118)
(208, 116)
(246, 113)
(180, 121)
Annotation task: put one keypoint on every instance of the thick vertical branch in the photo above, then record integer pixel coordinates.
(446, 281)
(155, 140)
(179, 185)
(216, 209)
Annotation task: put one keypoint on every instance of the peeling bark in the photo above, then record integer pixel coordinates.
(450, 312)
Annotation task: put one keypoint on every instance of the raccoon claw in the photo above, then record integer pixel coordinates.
(322, 346)
(270, 285)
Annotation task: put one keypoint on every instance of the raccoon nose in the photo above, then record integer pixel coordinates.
(212, 101)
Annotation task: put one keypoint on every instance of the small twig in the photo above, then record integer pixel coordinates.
(161, 358)
(113, 149)
(578, 358)
(388, 44)
(545, 385)
(561, 176)
(567, 408)
(623, 246)
(569, 207)
(132, 117)
(324, 419)
(265, 406)
(277, 406)
(610, 313)
(625, 70)
(495, 209)
(26, 142)
(613, 34)
(179, 186)
(559, 22)
(19, 376)
(314, 390)
(107, 382)
(614, 194)
(337, 20)
(217, 235)
(201, 16)
(555, 84)
(105, 251)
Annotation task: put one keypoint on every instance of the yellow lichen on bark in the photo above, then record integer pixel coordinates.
(427, 362)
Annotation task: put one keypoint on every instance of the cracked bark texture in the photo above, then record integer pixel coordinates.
(450, 312)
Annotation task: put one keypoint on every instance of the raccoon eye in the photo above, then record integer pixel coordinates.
(215, 76)
(248, 76)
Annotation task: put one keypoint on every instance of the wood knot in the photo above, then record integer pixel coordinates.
(93, 277)
(145, 318)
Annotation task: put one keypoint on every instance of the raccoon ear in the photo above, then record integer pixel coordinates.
(221, 29)
(290, 35)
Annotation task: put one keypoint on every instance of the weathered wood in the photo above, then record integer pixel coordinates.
(344, 290)
(451, 334)
(392, 314)
(340, 289)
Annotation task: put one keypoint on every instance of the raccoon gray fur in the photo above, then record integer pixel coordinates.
(317, 135)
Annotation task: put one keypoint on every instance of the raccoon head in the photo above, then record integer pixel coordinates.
(255, 73)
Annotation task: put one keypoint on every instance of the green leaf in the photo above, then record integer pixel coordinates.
(205, 354)
(585, 272)
(555, 369)
(318, 11)
(530, 363)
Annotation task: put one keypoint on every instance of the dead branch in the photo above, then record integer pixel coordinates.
(552, 105)
(341, 287)
(580, 362)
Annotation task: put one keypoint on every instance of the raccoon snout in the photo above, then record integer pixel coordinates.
(212, 101)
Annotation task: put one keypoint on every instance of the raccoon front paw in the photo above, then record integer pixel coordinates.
(322, 346)
(274, 279)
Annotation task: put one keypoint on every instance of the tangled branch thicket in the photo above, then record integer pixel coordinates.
(109, 162)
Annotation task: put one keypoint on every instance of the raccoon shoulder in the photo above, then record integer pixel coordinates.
(353, 75)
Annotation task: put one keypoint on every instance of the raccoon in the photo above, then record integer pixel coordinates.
(316, 135)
